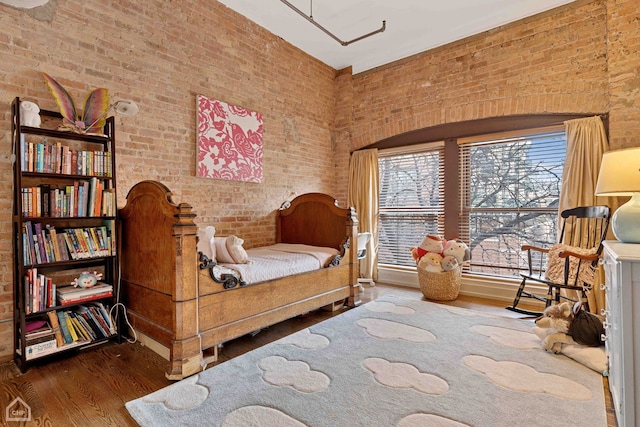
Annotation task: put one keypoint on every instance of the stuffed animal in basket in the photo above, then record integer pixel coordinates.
(431, 262)
(449, 263)
(572, 325)
(430, 243)
(457, 249)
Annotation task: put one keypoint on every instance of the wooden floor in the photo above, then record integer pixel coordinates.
(91, 387)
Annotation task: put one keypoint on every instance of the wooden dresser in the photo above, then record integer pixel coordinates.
(622, 326)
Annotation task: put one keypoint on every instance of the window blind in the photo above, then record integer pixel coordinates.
(411, 200)
(509, 193)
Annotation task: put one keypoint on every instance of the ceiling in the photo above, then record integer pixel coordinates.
(412, 26)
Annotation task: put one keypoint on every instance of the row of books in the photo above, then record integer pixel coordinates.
(41, 292)
(47, 157)
(82, 199)
(64, 329)
(44, 244)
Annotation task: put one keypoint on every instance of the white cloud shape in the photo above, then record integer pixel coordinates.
(185, 394)
(305, 339)
(388, 307)
(467, 312)
(403, 375)
(519, 377)
(386, 329)
(431, 420)
(259, 416)
(508, 337)
(279, 371)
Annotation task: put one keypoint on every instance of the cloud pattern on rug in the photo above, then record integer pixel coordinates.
(305, 339)
(258, 416)
(388, 307)
(519, 377)
(400, 375)
(186, 394)
(422, 420)
(403, 375)
(466, 312)
(508, 337)
(280, 372)
(388, 330)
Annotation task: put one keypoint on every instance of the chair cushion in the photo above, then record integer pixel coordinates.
(555, 265)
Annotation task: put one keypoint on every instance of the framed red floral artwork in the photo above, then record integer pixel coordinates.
(229, 141)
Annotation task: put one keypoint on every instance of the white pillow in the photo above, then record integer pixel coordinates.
(206, 243)
(229, 250)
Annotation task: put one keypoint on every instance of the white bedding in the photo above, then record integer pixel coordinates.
(281, 260)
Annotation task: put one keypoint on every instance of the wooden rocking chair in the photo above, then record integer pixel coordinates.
(568, 265)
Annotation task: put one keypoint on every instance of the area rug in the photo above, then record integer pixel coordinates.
(390, 362)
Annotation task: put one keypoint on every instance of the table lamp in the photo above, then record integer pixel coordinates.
(620, 176)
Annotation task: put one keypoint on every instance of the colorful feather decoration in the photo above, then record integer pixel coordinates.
(93, 116)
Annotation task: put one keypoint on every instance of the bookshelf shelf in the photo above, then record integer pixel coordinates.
(64, 225)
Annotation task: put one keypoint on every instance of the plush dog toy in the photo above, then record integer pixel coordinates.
(449, 263)
(459, 250)
(573, 325)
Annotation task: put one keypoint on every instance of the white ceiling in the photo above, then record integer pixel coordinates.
(412, 26)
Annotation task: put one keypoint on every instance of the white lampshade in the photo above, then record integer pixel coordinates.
(620, 176)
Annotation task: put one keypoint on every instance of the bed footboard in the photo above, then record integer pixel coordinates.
(159, 273)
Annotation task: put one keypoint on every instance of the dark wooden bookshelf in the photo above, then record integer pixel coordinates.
(98, 177)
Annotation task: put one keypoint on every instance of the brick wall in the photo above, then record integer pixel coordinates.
(162, 55)
(580, 58)
(624, 72)
(554, 62)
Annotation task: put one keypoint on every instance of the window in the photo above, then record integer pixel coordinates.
(411, 200)
(509, 187)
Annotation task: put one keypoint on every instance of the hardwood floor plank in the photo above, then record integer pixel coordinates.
(91, 387)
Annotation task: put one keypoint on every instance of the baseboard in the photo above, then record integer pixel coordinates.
(152, 344)
(494, 288)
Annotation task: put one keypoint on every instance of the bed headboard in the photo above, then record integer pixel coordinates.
(316, 219)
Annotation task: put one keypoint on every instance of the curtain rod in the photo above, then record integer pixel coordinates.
(327, 32)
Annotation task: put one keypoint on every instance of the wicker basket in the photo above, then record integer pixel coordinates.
(441, 286)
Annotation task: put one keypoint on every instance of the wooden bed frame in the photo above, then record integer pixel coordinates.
(171, 298)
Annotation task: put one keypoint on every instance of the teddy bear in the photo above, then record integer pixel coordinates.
(431, 261)
(449, 263)
(430, 243)
(459, 250)
(29, 114)
(572, 325)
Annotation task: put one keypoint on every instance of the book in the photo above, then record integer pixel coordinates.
(40, 349)
(80, 329)
(70, 328)
(71, 293)
(55, 325)
(63, 326)
(107, 316)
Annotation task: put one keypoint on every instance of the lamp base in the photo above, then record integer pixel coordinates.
(625, 222)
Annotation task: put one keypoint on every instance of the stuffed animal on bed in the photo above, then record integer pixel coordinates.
(206, 242)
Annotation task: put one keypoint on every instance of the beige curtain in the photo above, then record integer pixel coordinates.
(586, 143)
(364, 195)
